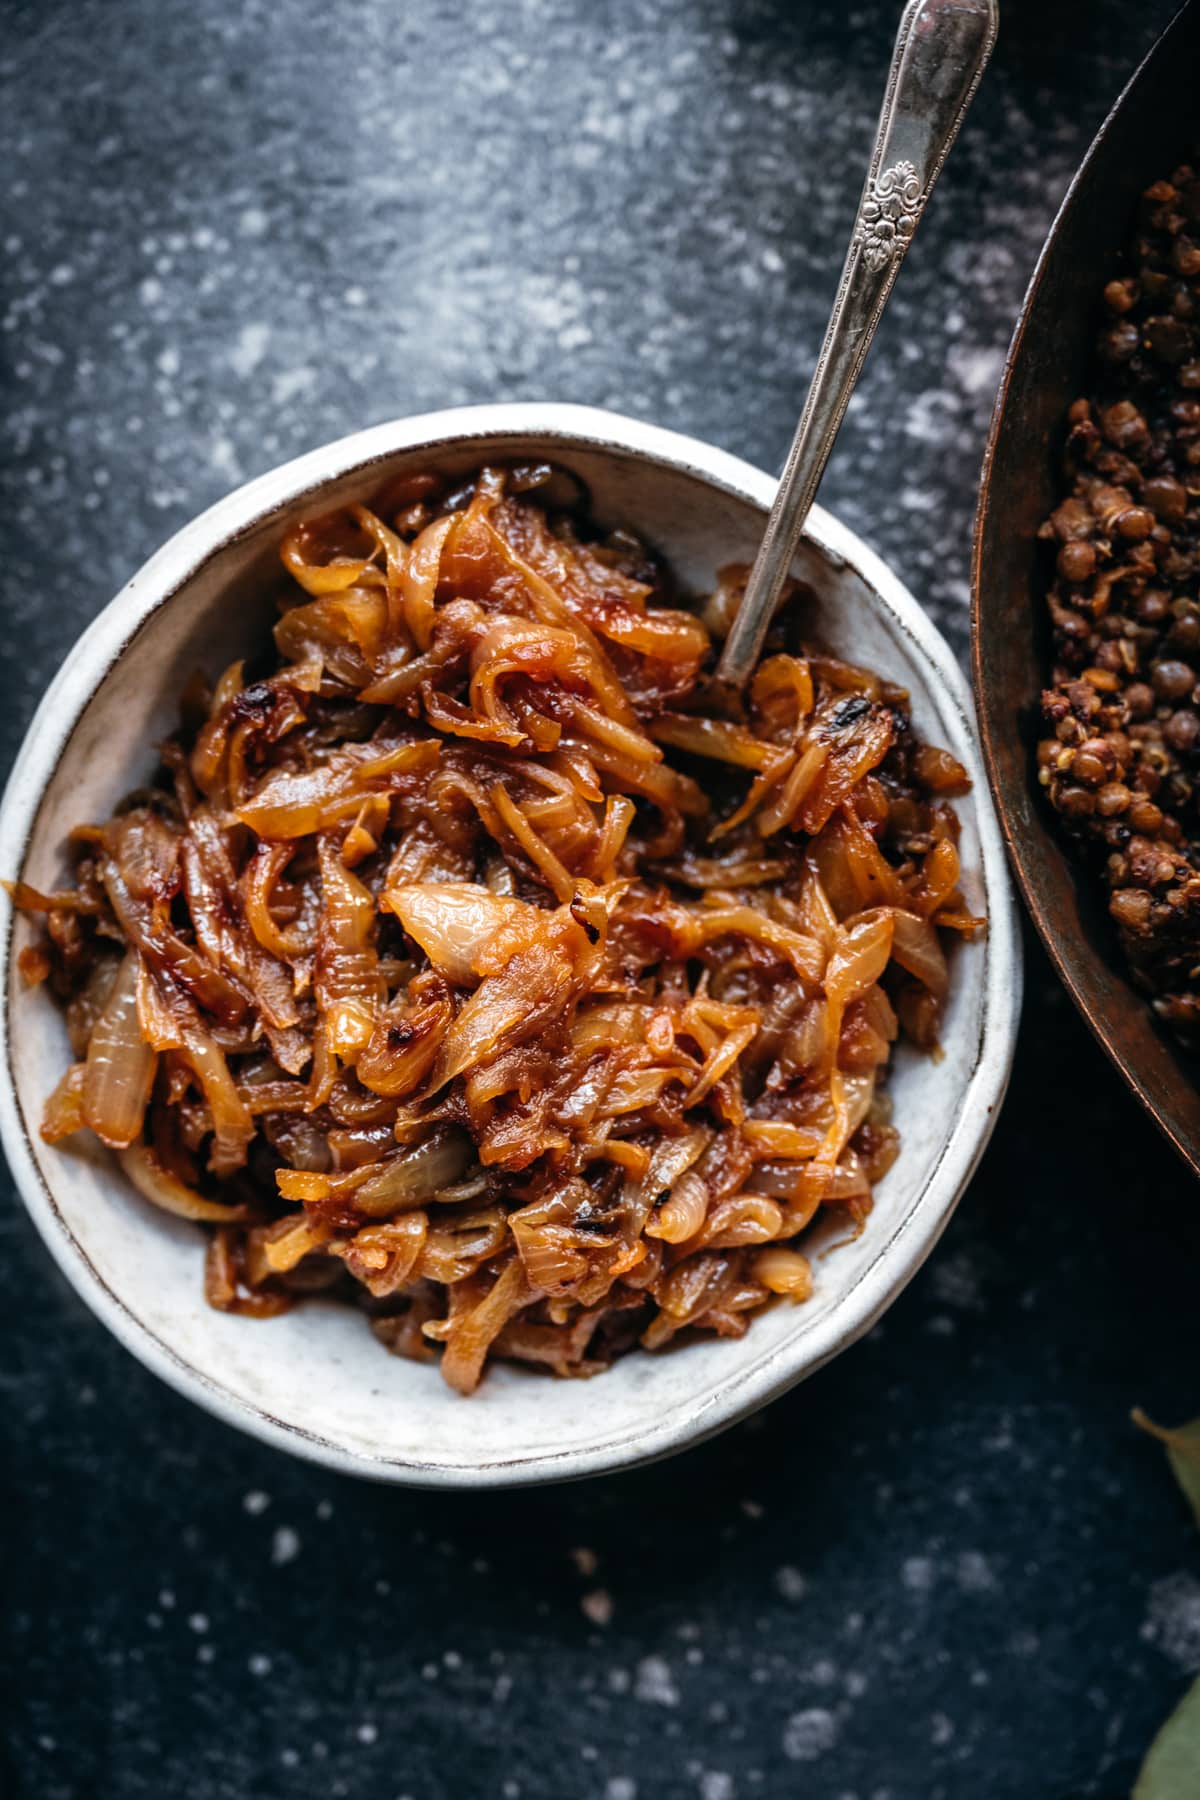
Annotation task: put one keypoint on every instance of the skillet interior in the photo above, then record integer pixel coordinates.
(1151, 128)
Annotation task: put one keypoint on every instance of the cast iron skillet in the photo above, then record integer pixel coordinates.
(1153, 126)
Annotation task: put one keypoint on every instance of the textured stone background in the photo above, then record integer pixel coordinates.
(946, 1567)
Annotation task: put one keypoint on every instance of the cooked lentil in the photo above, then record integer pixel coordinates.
(1121, 754)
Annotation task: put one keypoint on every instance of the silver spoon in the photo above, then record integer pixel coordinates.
(942, 48)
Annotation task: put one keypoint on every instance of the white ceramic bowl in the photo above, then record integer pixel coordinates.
(315, 1382)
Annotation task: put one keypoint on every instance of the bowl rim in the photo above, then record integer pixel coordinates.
(157, 582)
(1071, 958)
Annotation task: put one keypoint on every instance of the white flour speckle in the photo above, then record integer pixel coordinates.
(974, 1573)
(955, 1282)
(716, 1785)
(918, 1574)
(367, 1733)
(791, 1583)
(250, 348)
(598, 1606)
(823, 1672)
(198, 1622)
(224, 458)
(259, 1664)
(285, 1546)
(655, 1682)
(976, 369)
(1173, 1620)
(941, 1730)
(620, 1787)
(290, 383)
(808, 1735)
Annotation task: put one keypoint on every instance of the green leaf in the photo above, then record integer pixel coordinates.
(1169, 1771)
(1183, 1453)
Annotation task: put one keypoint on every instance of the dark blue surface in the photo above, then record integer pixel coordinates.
(948, 1566)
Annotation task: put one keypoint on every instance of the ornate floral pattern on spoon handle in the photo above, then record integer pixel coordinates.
(942, 48)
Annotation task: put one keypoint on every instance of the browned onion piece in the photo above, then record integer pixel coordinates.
(348, 981)
(454, 922)
(233, 1123)
(784, 1272)
(156, 1183)
(712, 737)
(415, 1176)
(405, 1043)
(63, 1111)
(119, 1072)
(292, 804)
(916, 948)
(471, 1338)
(682, 1213)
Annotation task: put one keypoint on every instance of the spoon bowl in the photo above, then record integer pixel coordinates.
(315, 1382)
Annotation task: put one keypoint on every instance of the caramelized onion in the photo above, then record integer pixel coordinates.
(471, 1338)
(455, 922)
(475, 961)
(155, 1182)
(682, 1213)
(63, 1111)
(119, 1071)
(293, 804)
(349, 984)
(916, 948)
(784, 1272)
(415, 1176)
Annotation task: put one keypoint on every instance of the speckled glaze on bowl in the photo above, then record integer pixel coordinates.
(315, 1382)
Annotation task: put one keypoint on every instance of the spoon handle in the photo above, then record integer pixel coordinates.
(942, 48)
